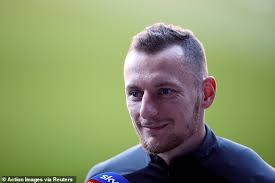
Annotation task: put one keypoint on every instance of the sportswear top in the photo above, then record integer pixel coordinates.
(215, 160)
(132, 159)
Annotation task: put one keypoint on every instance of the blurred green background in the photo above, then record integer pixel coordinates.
(62, 106)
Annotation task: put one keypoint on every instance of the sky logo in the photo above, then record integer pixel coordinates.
(108, 178)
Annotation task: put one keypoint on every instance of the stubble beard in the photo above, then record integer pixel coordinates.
(173, 140)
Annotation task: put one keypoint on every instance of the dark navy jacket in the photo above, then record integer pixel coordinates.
(216, 160)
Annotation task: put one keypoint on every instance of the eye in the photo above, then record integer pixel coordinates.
(136, 93)
(166, 91)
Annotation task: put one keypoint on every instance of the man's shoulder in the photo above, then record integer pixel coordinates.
(128, 161)
(234, 151)
(239, 162)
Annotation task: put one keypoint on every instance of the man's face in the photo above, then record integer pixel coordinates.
(162, 97)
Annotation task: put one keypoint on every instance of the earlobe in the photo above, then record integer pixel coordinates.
(209, 91)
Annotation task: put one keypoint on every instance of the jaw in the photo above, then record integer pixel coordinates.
(186, 146)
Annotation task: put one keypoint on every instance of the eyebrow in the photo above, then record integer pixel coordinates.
(166, 83)
(131, 87)
(158, 85)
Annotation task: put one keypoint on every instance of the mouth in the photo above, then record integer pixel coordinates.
(155, 127)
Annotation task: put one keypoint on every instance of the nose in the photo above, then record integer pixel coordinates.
(149, 107)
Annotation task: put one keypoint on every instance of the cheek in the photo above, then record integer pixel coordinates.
(133, 108)
(179, 109)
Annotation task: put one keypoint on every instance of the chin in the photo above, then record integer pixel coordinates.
(157, 146)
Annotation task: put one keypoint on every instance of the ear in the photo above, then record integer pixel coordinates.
(209, 91)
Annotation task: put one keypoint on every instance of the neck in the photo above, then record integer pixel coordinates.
(187, 146)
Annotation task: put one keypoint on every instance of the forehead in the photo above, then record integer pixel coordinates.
(166, 56)
(165, 66)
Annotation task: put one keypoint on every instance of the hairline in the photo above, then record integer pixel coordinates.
(198, 76)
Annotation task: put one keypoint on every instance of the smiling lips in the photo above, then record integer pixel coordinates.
(155, 127)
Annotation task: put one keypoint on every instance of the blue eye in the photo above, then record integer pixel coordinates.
(136, 93)
(166, 91)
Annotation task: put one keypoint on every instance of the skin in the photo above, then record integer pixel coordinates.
(166, 101)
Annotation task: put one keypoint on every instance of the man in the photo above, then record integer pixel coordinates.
(168, 89)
